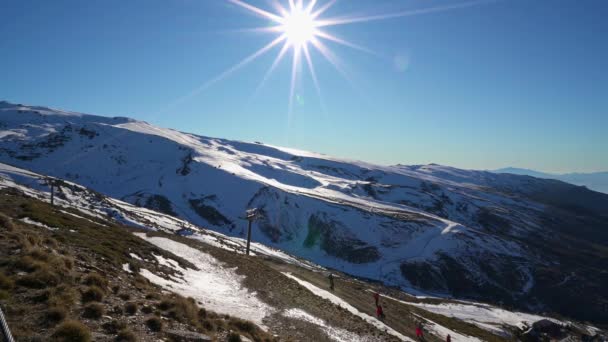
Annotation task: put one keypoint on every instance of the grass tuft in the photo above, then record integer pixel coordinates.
(92, 294)
(154, 324)
(114, 326)
(181, 309)
(95, 279)
(131, 308)
(40, 279)
(234, 337)
(6, 283)
(93, 311)
(125, 336)
(6, 223)
(56, 315)
(72, 331)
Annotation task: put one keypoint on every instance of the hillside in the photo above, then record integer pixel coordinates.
(515, 240)
(75, 269)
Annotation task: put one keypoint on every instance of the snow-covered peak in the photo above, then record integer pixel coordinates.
(20, 113)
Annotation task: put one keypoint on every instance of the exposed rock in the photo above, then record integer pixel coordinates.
(187, 336)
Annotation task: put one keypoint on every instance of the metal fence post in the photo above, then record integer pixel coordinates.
(5, 330)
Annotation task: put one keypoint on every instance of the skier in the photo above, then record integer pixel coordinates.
(419, 332)
(331, 281)
(377, 298)
(449, 338)
(379, 312)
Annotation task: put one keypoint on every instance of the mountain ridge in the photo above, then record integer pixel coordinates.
(461, 233)
(596, 181)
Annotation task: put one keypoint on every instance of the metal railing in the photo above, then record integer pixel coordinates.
(6, 333)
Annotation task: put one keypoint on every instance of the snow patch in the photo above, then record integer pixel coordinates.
(135, 256)
(340, 302)
(219, 288)
(37, 224)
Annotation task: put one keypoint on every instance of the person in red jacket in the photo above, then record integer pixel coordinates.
(377, 298)
(379, 312)
(448, 339)
(419, 332)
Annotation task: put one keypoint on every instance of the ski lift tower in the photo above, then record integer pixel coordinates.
(251, 215)
(52, 183)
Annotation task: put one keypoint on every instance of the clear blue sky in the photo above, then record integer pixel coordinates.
(502, 83)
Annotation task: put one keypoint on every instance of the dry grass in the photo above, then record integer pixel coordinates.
(28, 264)
(234, 337)
(40, 279)
(95, 279)
(72, 331)
(114, 326)
(131, 308)
(6, 283)
(93, 311)
(125, 336)
(56, 314)
(6, 223)
(64, 296)
(92, 294)
(154, 324)
(183, 309)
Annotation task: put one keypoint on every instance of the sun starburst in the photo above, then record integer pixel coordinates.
(302, 26)
(298, 27)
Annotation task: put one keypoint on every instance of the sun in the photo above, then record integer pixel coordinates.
(299, 26)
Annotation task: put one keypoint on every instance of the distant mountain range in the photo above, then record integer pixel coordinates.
(596, 181)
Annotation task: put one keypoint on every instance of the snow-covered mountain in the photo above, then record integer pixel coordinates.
(78, 212)
(517, 240)
(597, 181)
